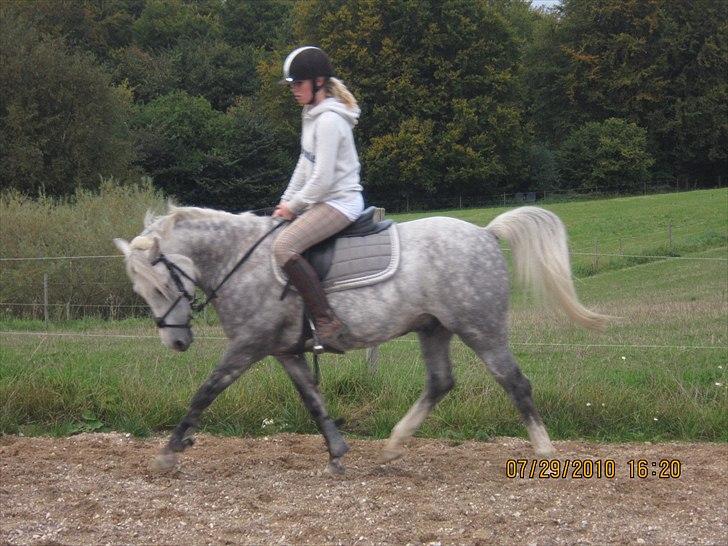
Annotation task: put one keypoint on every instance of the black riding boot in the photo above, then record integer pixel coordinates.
(328, 326)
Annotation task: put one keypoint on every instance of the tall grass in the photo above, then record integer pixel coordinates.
(80, 226)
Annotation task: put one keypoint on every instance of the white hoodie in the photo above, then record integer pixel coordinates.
(328, 168)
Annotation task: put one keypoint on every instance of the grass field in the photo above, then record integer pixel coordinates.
(659, 372)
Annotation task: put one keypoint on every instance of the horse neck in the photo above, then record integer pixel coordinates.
(215, 246)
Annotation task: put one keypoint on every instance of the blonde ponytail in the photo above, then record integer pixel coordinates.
(336, 88)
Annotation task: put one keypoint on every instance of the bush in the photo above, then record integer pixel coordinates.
(605, 155)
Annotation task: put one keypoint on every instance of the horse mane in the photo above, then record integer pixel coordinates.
(162, 225)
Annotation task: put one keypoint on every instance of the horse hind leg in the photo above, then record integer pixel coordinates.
(502, 365)
(435, 344)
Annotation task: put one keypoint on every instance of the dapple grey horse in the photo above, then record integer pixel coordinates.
(452, 279)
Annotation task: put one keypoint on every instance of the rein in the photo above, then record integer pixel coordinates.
(175, 271)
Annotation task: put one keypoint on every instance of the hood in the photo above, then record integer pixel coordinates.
(351, 115)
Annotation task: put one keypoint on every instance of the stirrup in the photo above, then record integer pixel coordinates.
(318, 347)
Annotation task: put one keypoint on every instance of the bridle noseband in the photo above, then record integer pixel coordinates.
(175, 271)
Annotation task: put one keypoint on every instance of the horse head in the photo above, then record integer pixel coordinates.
(166, 282)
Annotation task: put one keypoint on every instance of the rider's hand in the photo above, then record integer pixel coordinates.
(284, 212)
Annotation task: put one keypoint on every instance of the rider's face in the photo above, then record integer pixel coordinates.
(302, 91)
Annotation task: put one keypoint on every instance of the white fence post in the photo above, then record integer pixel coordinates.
(45, 297)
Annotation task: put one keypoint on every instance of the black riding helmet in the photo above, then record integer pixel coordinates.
(307, 63)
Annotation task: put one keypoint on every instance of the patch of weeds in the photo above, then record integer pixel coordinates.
(88, 423)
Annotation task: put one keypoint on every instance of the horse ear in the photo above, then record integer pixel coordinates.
(154, 250)
(148, 218)
(123, 246)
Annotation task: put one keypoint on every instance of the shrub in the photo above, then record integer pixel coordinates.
(609, 155)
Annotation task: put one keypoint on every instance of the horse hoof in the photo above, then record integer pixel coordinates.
(335, 468)
(164, 462)
(390, 454)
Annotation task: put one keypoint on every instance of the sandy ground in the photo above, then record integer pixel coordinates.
(99, 489)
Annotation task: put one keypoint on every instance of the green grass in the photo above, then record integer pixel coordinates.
(660, 372)
(630, 226)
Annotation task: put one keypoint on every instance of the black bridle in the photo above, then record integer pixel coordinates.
(175, 271)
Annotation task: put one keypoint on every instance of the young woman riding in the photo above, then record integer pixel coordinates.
(324, 194)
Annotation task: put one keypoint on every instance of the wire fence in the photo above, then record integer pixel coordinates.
(420, 202)
(65, 300)
(66, 287)
(42, 298)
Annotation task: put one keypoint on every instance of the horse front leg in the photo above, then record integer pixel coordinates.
(234, 363)
(297, 369)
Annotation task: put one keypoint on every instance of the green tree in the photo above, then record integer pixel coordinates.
(148, 75)
(216, 70)
(438, 75)
(206, 157)
(543, 168)
(608, 155)
(262, 24)
(691, 126)
(661, 64)
(91, 25)
(163, 23)
(62, 123)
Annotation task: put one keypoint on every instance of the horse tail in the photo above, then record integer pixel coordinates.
(537, 239)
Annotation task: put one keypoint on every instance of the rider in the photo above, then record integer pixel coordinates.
(324, 194)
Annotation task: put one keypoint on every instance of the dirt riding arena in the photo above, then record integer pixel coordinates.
(99, 489)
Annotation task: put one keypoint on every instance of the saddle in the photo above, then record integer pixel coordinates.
(364, 253)
(321, 255)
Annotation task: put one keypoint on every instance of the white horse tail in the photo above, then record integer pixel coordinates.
(537, 239)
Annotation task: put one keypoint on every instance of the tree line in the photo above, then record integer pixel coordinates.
(458, 97)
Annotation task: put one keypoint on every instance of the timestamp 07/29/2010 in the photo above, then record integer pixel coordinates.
(592, 468)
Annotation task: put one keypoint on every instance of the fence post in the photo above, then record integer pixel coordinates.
(373, 359)
(595, 263)
(669, 234)
(45, 297)
(621, 249)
